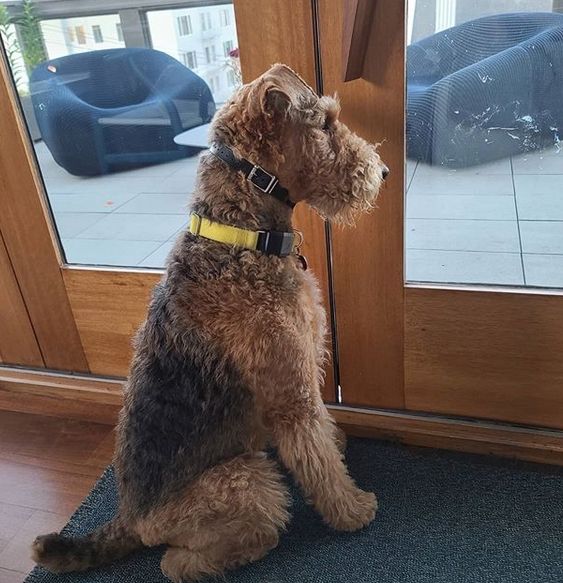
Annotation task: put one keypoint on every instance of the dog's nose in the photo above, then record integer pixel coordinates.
(385, 172)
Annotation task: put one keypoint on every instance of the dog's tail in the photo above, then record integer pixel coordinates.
(61, 554)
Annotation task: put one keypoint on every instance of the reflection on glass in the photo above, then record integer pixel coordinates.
(484, 122)
(117, 106)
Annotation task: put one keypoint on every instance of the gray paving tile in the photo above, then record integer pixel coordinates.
(439, 183)
(544, 270)
(177, 183)
(109, 185)
(175, 204)
(544, 162)
(88, 202)
(546, 207)
(462, 235)
(187, 167)
(46, 162)
(410, 167)
(542, 236)
(462, 206)
(71, 224)
(154, 170)
(542, 184)
(464, 267)
(158, 257)
(107, 251)
(496, 167)
(135, 227)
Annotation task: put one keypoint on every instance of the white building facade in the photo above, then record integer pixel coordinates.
(200, 38)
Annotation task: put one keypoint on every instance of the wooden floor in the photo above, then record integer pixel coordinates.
(47, 466)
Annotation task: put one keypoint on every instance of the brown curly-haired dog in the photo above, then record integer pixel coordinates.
(230, 357)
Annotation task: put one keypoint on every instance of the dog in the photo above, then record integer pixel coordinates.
(230, 357)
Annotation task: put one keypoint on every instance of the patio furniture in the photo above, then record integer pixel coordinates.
(485, 89)
(103, 111)
(197, 137)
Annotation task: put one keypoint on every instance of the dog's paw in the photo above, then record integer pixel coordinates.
(352, 511)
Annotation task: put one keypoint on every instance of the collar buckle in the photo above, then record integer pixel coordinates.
(276, 243)
(263, 180)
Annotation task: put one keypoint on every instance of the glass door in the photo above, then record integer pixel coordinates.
(103, 111)
(448, 296)
(484, 156)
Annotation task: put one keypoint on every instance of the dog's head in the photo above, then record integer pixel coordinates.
(280, 123)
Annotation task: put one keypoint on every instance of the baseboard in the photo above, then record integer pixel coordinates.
(54, 394)
(473, 436)
(99, 399)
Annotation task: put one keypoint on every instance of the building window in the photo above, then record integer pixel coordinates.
(213, 53)
(225, 18)
(119, 31)
(231, 79)
(97, 32)
(184, 25)
(205, 20)
(208, 54)
(80, 35)
(71, 37)
(190, 60)
(227, 47)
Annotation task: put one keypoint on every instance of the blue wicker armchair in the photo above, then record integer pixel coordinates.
(104, 111)
(485, 89)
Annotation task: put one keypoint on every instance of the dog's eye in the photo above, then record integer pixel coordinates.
(326, 126)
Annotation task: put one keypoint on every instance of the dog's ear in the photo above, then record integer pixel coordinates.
(275, 99)
(283, 90)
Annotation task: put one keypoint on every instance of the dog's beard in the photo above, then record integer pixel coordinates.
(344, 206)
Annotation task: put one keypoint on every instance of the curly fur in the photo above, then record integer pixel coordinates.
(231, 355)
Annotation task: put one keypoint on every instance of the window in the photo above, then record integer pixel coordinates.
(225, 18)
(205, 20)
(97, 32)
(119, 31)
(231, 79)
(190, 59)
(184, 25)
(213, 53)
(227, 47)
(208, 54)
(80, 35)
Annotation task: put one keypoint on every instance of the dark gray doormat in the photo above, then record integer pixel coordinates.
(443, 518)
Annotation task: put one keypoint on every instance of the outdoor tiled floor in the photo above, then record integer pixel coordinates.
(123, 219)
(499, 223)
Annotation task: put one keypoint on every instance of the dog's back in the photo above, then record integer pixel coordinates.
(187, 407)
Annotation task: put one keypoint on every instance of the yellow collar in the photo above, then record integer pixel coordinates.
(269, 242)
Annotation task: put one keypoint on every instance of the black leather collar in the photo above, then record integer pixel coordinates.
(255, 174)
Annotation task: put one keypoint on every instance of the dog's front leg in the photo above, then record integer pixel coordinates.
(306, 443)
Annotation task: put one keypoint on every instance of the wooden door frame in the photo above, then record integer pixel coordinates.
(29, 240)
(17, 339)
(368, 259)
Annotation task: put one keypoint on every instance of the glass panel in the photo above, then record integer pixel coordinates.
(117, 106)
(484, 161)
